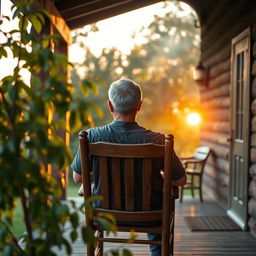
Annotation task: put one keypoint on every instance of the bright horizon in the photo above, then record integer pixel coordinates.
(116, 32)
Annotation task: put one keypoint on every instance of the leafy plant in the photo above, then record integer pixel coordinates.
(30, 144)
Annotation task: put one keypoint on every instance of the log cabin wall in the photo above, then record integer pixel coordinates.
(222, 21)
(252, 184)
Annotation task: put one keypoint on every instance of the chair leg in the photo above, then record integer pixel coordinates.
(172, 231)
(201, 192)
(181, 194)
(201, 195)
(100, 244)
(192, 184)
(90, 250)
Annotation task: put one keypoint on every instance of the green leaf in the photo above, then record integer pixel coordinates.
(41, 17)
(73, 236)
(108, 216)
(106, 225)
(89, 84)
(114, 252)
(3, 233)
(45, 43)
(6, 17)
(88, 235)
(35, 82)
(74, 220)
(67, 246)
(8, 250)
(3, 52)
(23, 23)
(26, 88)
(36, 23)
(127, 252)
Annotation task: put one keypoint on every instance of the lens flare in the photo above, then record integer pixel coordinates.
(193, 118)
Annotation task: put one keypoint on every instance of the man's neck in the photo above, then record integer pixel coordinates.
(124, 118)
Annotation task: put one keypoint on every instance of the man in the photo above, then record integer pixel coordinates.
(125, 99)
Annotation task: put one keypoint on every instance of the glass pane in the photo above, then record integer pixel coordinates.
(239, 95)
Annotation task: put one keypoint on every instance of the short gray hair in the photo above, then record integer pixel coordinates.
(125, 96)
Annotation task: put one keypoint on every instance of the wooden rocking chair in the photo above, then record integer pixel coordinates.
(122, 159)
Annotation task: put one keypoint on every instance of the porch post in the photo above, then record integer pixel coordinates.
(58, 23)
(62, 177)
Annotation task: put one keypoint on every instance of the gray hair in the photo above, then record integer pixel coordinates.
(125, 96)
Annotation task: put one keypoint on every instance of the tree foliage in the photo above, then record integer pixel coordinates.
(29, 143)
(162, 66)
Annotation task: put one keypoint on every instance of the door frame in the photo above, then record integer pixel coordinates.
(242, 222)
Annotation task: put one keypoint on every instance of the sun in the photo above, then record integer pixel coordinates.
(193, 118)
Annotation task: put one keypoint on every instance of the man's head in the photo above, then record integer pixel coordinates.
(125, 96)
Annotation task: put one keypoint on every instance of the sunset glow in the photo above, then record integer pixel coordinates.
(193, 118)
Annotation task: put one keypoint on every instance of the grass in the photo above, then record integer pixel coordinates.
(18, 224)
(72, 189)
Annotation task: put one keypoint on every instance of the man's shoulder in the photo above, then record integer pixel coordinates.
(153, 136)
(98, 131)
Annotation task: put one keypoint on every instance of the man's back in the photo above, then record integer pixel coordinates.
(130, 133)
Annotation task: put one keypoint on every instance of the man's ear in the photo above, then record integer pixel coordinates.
(110, 106)
(139, 106)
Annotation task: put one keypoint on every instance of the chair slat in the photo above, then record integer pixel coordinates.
(146, 189)
(104, 184)
(131, 216)
(116, 183)
(129, 184)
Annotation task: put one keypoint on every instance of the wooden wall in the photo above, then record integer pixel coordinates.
(252, 186)
(221, 23)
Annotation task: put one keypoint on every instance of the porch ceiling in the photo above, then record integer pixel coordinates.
(78, 13)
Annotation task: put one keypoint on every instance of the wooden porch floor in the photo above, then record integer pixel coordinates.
(193, 243)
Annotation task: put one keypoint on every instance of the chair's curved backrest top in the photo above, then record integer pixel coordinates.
(202, 153)
(147, 150)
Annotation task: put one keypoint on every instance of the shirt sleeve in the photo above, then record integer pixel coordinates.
(76, 165)
(178, 169)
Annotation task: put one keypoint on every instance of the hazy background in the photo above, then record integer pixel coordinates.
(158, 47)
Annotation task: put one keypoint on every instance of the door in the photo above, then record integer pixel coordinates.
(239, 144)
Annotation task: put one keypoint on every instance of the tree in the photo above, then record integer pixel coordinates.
(163, 67)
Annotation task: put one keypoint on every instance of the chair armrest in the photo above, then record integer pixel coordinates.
(186, 158)
(193, 161)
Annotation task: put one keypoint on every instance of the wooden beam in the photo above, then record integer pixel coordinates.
(57, 20)
(87, 10)
(67, 5)
(93, 15)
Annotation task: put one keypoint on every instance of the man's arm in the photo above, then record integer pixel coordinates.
(180, 182)
(77, 178)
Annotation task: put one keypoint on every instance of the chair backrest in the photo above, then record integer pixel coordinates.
(202, 153)
(118, 183)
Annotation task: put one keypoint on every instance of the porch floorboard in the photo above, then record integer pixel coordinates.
(192, 243)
